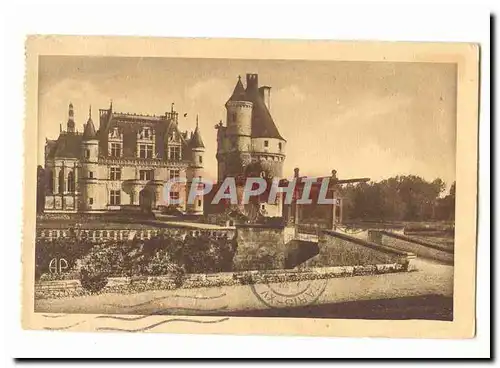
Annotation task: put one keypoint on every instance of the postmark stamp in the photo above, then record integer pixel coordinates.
(289, 295)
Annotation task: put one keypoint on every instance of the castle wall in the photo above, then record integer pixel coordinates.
(259, 247)
(239, 118)
(273, 145)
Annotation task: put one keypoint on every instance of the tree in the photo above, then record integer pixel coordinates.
(445, 207)
(400, 198)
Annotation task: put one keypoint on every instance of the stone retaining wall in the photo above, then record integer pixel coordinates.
(419, 247)
(124, 285)
(337, 249)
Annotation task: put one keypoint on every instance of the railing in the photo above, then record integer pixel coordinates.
(97, 236)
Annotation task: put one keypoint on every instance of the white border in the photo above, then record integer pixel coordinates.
(395, 21)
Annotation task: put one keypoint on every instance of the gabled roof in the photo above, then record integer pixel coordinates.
(68, 145)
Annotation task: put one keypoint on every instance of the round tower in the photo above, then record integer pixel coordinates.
(239, 129)
(195, 170)
(90, 154)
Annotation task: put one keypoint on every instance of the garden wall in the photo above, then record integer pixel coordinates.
(336, 249)
(260, 247)
(129, 285)
(417, 246)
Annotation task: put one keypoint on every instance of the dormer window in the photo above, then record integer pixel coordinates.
(145, 151)
(174, 153)
(146, 143)
(115, 133)
(115, 143)
(145, 134)
(115, 149)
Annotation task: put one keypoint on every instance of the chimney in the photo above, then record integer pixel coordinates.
(265, 94)
(252, 82)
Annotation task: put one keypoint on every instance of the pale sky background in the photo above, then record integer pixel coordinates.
(364, 119)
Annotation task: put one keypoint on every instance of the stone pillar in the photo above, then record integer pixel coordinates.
(341, 214)
(65, 178)
(289, 214)
(76, 173)
(334, 208)
(134, 196)
(56, 179)
(65, 185)
(159, 195)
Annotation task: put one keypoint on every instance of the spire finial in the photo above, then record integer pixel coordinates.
(111, 104)
(196, 121)
(90, 111)
(239, 77)
(172, 107)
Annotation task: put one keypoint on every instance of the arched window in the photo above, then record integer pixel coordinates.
(61, 182)
(71, 182)
(50, 181)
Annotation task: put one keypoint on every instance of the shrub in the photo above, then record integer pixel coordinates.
(71, 249)
(245, 279)
(206, 255)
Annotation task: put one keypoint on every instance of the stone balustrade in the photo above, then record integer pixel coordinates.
(99, 235)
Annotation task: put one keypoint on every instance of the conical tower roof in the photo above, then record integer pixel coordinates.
(89, 131)
(196, 141)
(239, 93)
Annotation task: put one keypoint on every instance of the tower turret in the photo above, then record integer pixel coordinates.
(70, 125)
(90, 166)
(239, 129)
(195, 170)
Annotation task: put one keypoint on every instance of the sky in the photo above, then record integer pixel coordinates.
(363, 119)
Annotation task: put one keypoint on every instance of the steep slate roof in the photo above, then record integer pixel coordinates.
(89, 131)
(263, 125)
(239, 93)
(196, 141)
(68, 145)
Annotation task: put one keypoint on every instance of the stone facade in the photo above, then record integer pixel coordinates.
(122, 165)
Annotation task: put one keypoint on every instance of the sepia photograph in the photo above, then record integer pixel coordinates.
(217, 189)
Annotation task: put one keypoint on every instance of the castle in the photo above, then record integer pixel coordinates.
(123, 164)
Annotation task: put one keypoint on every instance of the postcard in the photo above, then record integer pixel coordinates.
(226, 186)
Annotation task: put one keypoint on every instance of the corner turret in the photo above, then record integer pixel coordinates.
(195, 170)
(89, 132)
